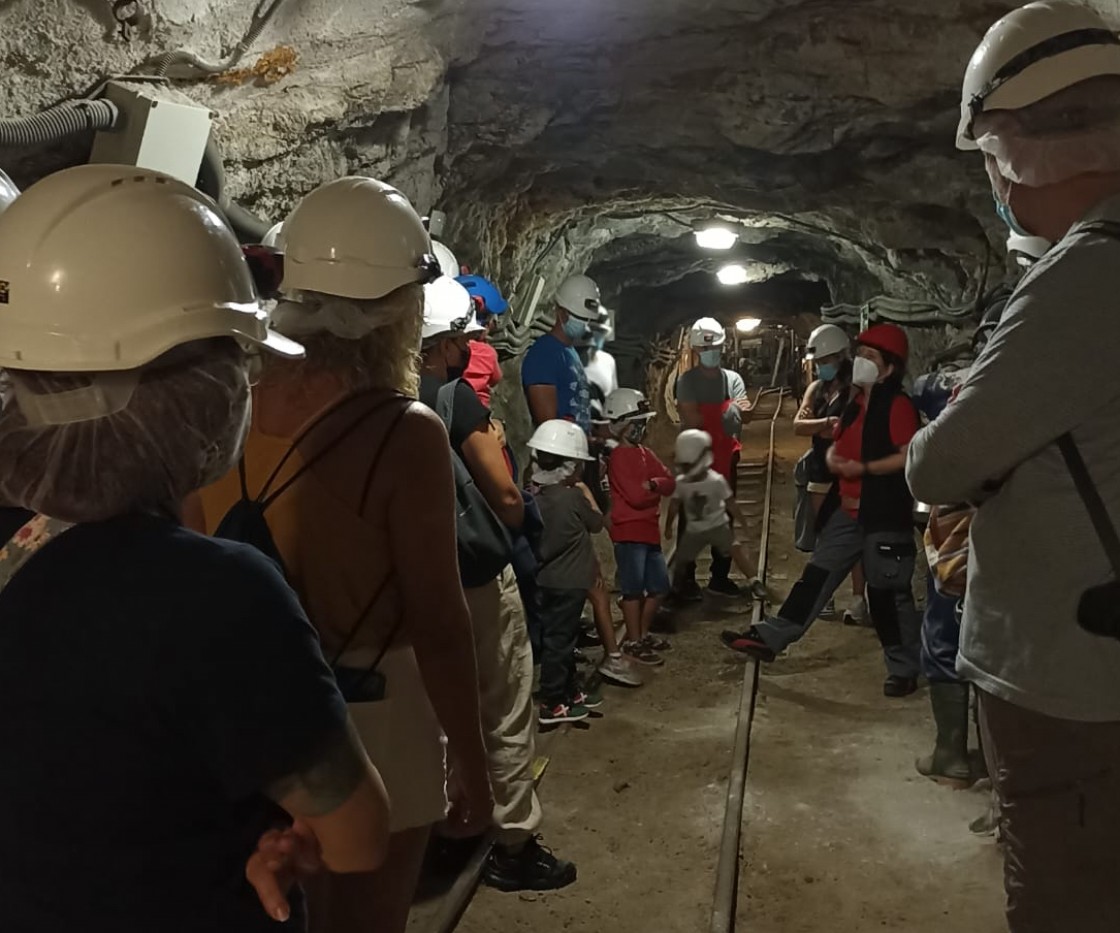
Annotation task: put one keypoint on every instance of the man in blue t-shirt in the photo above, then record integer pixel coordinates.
(552, 374)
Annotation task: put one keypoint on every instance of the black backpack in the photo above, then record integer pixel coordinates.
(246, 522)
(485, 544)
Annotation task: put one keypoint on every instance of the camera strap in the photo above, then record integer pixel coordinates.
(1094, 504)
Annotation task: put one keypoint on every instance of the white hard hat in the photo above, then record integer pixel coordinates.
(706, 333)
(271, 238)
(1032, 53)
(825, 341)
(448, 309)
(8, 190)
(626, 404)
(579, 295)
(448, 264)
(103, 268)
(691, 446)
(355, 237)
(603, 324)
(1032, 248)
(562, 439)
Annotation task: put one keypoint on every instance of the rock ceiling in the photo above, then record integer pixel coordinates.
(593, 133)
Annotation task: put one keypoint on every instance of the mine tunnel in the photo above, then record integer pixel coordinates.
(589, 465)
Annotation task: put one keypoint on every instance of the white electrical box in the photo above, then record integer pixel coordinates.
(154, 132)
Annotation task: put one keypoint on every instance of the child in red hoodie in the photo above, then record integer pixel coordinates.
(638, 482)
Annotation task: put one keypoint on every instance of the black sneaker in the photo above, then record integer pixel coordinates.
(588, 638)
(896, 686)
(534, 868)
(725, 588)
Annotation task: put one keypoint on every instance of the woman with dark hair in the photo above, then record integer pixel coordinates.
(867, 516)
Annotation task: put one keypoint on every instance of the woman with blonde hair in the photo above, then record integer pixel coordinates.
(360, 504)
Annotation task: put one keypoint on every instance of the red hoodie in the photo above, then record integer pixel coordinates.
(634, 509)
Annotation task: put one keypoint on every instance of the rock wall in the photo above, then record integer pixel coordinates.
(592, 133)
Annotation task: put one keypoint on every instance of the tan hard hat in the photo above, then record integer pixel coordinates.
(355, 237)
(103, 268)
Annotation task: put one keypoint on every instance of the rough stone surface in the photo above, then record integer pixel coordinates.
(592, 133)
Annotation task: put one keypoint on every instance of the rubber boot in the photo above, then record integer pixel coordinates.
(949, 762)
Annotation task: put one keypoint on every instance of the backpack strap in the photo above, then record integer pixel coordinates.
(36, 534)
(1091, 497)
(265, 498)
(397, 418)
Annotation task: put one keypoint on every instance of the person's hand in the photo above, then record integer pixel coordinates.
(472, 803)
(850, 469)
(842, 466)
(744, 405)
(830, 426)
(283, 857)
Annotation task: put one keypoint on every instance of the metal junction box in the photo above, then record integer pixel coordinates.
(154, 132)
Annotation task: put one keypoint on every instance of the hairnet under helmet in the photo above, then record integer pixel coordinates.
(129, 387)
(181, 429)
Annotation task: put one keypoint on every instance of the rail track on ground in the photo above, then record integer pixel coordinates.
(754, 494)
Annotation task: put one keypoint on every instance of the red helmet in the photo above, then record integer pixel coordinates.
(886, 338)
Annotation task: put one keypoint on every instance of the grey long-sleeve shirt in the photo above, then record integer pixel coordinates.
(1050, 367)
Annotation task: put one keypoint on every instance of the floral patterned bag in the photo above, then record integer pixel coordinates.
(26, 542)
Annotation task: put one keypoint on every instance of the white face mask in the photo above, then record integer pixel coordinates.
(864, 372)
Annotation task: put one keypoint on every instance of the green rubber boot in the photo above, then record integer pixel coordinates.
(949, 764)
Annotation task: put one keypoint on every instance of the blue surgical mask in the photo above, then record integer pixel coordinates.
(827, 371)
(1007, 215)
(710, 358)
(598, 341)
(575, 329)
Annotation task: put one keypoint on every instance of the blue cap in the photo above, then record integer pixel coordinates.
(480, 287)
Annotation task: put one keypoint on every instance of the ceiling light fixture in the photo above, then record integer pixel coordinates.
(717, 238)
(746, 325)
(733, 274)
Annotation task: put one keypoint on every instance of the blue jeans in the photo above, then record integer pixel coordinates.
(641, 569)
(941, 636)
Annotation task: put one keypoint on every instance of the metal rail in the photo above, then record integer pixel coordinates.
(455, 901)
(727, 870)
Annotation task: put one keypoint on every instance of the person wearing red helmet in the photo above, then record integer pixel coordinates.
(867, 516)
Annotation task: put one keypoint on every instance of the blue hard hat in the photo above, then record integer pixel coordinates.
(483, 288)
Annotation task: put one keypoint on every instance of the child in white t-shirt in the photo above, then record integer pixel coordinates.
(706, 499)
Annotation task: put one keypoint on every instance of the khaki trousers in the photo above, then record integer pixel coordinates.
(509, 722)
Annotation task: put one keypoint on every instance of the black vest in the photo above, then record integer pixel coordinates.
(885, 501)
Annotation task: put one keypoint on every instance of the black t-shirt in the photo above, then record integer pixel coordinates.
(152, 682)
(469, 415)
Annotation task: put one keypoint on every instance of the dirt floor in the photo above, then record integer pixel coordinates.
(840, 833)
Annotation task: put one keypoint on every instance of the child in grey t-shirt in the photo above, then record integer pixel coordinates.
(707, 501)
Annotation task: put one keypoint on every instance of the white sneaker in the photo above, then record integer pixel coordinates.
(856, 614)
(618, 670)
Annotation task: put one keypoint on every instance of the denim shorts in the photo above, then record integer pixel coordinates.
(641, 569)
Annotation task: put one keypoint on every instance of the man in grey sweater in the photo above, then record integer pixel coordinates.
(1042, 102)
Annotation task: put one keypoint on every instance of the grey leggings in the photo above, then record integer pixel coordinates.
(888, 561)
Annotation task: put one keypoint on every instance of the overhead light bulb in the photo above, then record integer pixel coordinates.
(718, 238)
(746, 325)
(733, 274)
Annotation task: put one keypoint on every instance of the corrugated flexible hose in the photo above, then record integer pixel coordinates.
(58, 123)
